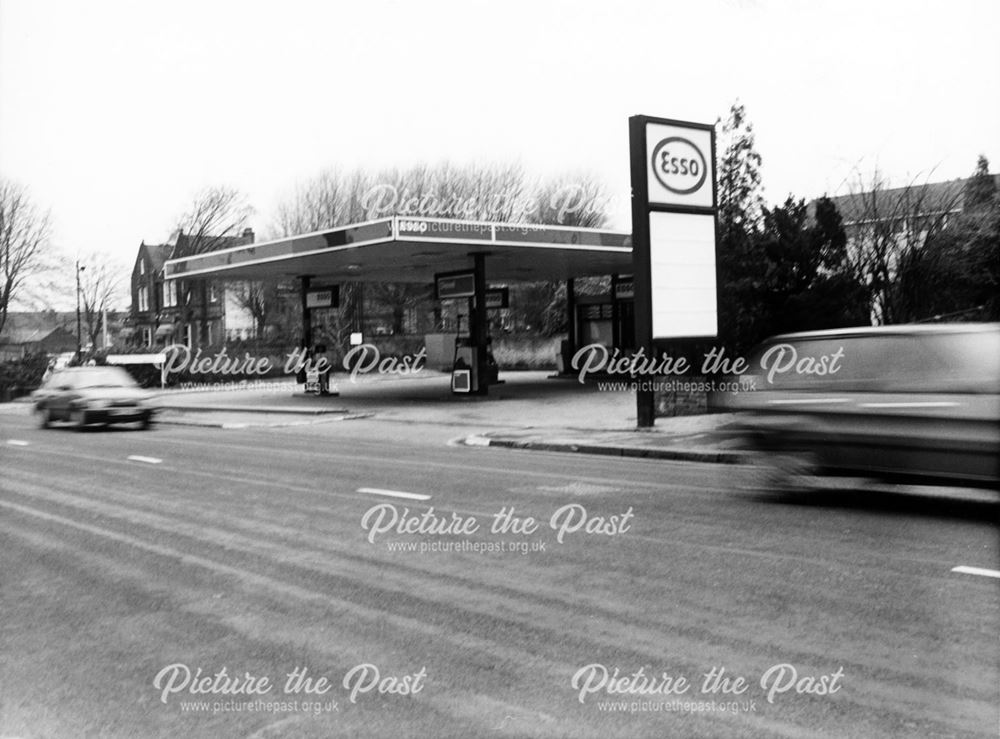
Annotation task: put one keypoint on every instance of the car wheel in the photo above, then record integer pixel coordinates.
(785, 473)
(146, 422)
(45, 415)
(78, 418)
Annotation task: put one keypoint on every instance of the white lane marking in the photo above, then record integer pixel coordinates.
(394, 493)
(926, 404)
(147, 460)
(17, 442)
(808, 401)
(976, 571)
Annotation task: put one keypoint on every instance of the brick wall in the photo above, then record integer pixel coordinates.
(681, 396)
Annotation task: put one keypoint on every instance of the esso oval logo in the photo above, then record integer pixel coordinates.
(410, 226)
(679, 165)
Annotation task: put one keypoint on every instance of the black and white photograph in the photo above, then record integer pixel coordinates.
(474, 369)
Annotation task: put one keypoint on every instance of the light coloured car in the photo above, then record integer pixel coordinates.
(915, 404)
(90, 395)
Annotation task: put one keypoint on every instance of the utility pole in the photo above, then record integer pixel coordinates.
(79, 346)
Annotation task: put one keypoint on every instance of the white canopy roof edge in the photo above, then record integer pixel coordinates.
(413, 249)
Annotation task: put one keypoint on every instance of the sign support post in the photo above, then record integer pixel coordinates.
(645, 401)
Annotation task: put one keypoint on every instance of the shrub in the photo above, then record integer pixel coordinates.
(526, 352)
(20, 376)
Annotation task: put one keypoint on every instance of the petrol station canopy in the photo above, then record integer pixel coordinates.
(404, 249)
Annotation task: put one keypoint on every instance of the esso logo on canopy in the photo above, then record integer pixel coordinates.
(679, 165)
(411, 226)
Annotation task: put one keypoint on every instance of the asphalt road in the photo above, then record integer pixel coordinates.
(131, 559)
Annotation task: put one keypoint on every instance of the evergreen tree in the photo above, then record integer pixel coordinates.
(740, 209)
(981, 188)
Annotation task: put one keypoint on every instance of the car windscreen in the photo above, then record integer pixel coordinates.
(98, 377)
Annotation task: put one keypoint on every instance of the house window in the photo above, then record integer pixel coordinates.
(213, 293)
(187, 335)
(147, 337)
(142, 266)
(169, 293)
(143, 299)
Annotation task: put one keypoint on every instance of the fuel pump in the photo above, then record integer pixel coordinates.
(464, 370)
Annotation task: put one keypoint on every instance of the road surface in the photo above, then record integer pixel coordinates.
(302, 571)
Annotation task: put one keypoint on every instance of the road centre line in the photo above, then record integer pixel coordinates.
(671, 541)
(964, 570)
(652, 466)
(17, 442)
(394, 493)
(147, 460)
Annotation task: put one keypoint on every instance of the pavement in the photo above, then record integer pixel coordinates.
(529, 410)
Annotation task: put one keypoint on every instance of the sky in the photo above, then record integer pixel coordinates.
(114, 114)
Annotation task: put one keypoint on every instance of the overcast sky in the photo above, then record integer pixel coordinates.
(115, 113)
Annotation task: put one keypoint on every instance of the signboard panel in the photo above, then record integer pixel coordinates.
(674, 204)
(420, 229)
(624, 289)
(325, 298)
(682, 272)
(680, 168)
(498, 297)
(448, 285)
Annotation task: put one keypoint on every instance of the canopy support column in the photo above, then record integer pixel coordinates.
(480, 322)
(307, 339)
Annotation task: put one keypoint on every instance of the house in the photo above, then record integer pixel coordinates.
(908, 214)
(887, 228)
(30, 332)
(18, 343)
(190, 312)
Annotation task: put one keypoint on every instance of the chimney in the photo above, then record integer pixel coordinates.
(248, 235)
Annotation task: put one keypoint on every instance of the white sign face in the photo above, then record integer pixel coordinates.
(319, 299)
(679, 165)
(154, 359)
(682, 268)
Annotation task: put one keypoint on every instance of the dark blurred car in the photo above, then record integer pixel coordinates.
(87, 395)
(916, 404)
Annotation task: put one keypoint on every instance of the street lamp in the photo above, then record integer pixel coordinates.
(79, 347)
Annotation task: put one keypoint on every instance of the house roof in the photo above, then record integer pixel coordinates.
(158, 254)
(21, 336)
(24, 327)
(929, 199)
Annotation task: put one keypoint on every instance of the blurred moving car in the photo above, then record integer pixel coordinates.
(86, 395)
(917, 404)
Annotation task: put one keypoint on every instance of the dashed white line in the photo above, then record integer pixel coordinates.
(930, 404)
(147, 460)
(17, 442)
(394, 493)
(976, 571)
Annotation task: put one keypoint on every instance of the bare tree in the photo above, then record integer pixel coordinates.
(884, 224)
(263, 300)
(100, 286)
(499, 193)
(24, 232)
(579, 200)
(217, 217)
